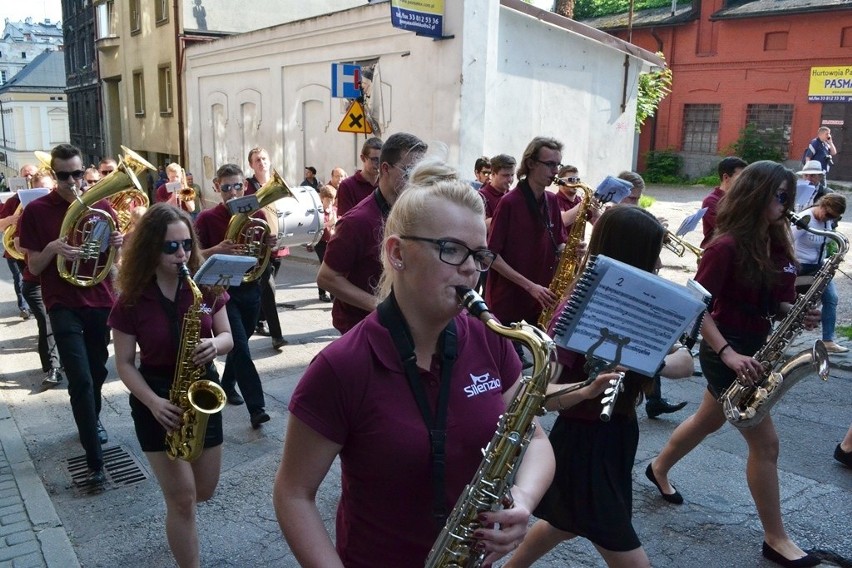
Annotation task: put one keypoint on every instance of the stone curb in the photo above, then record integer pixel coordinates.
(55, 545)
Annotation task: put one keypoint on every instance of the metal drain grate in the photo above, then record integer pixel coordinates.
(120, 467)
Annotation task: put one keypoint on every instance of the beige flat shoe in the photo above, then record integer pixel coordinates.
(833, 347)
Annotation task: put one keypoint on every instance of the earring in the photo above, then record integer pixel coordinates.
(398, 265)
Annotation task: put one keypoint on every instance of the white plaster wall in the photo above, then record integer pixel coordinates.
(33, 124)
(501, 80)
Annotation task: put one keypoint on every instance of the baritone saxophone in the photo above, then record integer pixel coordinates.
(198, 398)
(491, 485)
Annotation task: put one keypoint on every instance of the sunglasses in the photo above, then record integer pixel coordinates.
(106, 172)
(229, 187)
(170, 247)
(781, 196)
(63, 176)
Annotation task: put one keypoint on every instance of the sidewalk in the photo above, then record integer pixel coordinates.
(30, 530)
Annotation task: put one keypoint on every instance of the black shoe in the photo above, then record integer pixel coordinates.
(843, 457)
(279, 342)
(324, 297)
(51, 378)
(675, 497)
(656, 407)
(774, 556)
(95, 477)
(234, 397)
(103, 437)
(258, 417)
(261, 328)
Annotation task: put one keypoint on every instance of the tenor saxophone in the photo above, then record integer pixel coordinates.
(198, 398)
(502, 456)
(569, 265)
(746, 406)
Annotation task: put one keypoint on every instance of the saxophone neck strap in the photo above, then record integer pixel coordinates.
(391, 318)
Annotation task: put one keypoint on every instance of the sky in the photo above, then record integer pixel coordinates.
(38, 10)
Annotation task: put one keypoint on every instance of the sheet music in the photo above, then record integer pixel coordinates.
(804, 195)
(224, 270)
(691, 222)
(621, 299)
(173, 186)
(27, 196)
(16, 183)
(613, 190)
(246, 204)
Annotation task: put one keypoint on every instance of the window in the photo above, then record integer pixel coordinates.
(773, 123)
(105, 19)
(135, 17)
(701, 128)
(138, 94)
(23, 55)
(161, 10)
(2, 77)
(164, 76)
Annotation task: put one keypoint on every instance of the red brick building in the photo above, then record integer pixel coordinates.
(738, 62)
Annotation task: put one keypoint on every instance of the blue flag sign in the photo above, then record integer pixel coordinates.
(345, 81)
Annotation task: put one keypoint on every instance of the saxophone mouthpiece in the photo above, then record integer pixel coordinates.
(800, 221)
(471, 301)
(559, 181)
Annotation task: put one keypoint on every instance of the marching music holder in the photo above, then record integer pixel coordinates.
(596, 365)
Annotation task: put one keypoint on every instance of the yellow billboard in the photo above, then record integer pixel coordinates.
(830, 84)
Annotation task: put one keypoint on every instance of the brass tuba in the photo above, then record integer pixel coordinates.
(10, 232)
(198, 398)
(251, 232)
(89, 229)
(569, 266)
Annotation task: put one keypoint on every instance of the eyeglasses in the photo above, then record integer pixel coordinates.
(63, 176)
(406, 172)
(550, 165)
(573, 180)
(455, 253)
(170, 247)
(781, 196)
(485, 172)
(375, 160)
(106, 172)
(229, 187)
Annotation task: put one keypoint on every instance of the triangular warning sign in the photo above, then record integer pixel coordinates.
(355, 120)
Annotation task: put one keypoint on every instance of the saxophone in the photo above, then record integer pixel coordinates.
(502, 456)
(568, 266)
(197, 397)
(747, 406)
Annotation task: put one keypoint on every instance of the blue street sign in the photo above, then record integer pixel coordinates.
(345, 80)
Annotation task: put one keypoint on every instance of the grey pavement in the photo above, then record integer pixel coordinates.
(123, 526)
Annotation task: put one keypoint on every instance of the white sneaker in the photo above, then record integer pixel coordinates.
(833, 347)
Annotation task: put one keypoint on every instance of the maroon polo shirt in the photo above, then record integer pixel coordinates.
(355, 393)
(492, 197)
(708, 221)
(211, 225)
(738, 305)
(354, 251)
(38, 226)
(149, 323)
(8, 210)
(352, 191)
(521, 239)
(163, 195)
(567, 203)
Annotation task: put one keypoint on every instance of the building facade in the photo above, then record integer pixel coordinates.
(24, 41)
(739, 62)
(498, 77)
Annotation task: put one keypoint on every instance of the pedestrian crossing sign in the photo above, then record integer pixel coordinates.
(355, 120)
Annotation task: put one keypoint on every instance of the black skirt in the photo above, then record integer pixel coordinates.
(592, 491)
(719, 376)
(150, 433)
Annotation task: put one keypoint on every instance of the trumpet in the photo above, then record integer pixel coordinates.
(679, 246)
(186, 193)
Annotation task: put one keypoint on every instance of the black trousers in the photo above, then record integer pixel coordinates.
(268, 307)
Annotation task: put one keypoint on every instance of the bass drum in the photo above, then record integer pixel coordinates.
(300, 218)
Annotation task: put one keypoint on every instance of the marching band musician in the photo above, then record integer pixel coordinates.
(175, 173)
(359, 400)
(148, 313)
(569, 200)
(78, 315)
(8, 217)
(749, 267)
(244, 304)
(592, 497)
(351, 266)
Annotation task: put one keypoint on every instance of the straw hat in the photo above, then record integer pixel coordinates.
(812, 167)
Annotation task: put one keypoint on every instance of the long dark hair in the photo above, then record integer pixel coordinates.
(742, 215)
(142, 256)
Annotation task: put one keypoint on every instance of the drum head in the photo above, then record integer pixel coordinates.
(300, 218)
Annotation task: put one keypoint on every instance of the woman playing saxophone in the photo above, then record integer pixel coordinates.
(749, 267)
(153, 299)
(363, 400)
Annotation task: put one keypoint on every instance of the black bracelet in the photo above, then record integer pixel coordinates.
(725, 346)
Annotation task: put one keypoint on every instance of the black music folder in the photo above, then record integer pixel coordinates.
(617, 307)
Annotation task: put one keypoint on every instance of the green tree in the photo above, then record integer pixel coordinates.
(653, 88)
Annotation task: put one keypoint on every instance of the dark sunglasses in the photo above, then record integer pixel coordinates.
(63, 176)
(170, 247)
(229, 187)
(781, 196)
(106, 172)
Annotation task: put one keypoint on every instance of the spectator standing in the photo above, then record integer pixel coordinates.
(362, 183)
(482, 171)
(311, 178)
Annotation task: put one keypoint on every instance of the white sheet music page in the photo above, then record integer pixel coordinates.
(646, 311)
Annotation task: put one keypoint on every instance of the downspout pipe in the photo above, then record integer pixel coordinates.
(178, 82)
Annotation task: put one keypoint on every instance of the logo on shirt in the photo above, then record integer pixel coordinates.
(481, 383)
(790, 269)
(205, 309)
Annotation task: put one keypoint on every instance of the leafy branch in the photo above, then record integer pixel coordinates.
(653, 88)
